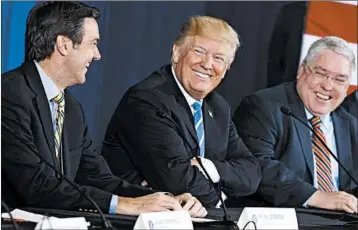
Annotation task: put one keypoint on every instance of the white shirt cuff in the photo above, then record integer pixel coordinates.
(218, 205)
(306, 203)
(211, 169)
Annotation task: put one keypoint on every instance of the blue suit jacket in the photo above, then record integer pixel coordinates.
(284, 146)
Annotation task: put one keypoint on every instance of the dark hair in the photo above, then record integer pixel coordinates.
(48, 20)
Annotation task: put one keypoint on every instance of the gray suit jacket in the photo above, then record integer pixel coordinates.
(284, 146)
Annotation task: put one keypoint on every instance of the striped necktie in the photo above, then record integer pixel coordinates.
(60, 115)
(199, 126)
(322, 157)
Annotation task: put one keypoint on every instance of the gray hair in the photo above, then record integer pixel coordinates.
(335, 44)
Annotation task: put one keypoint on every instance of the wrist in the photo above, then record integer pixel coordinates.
(313, 200)
(123, 206)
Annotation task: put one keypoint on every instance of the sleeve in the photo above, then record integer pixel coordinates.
(157, 149)
(240, 172)
(94, 171)
(260, 131)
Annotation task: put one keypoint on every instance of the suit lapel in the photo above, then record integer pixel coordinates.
(211, 129)
(65, 148)
(188, 118)
(341, 134)
(303, 132)
(42, 105)
(184, 109)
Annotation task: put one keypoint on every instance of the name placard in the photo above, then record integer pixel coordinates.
(164, 220)
(62, 223)
(268, 218)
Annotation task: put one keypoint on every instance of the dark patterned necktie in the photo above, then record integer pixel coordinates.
(322, 157)
(60, 115)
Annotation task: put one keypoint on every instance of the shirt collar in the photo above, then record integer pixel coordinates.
(50, 87)
(188, 98)
(326, 119)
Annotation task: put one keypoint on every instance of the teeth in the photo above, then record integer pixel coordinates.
(87, 65)
(202, 75)
(324, 97)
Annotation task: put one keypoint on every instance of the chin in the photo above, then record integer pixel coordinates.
(81, 81)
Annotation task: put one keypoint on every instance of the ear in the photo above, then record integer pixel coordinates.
(63, 44)
(301, 71)
(175, 53)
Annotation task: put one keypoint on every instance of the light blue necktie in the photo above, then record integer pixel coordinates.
(199, 126)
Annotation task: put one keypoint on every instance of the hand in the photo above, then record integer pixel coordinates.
(334, 201)
(157, 202)
(191, 204)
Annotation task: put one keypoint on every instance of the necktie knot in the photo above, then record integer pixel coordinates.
(196, 106)
(59, 99)
(315, 122)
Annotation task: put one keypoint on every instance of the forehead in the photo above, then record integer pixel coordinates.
(212, 45)
(90, 29)
(333, 62)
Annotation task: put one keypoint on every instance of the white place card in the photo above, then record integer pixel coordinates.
(164, 220)
(268, 218)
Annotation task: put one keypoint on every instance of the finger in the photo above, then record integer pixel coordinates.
(170, 203)
(346, 208)
(158, 208)
(352, 205)
(200, 213)
(188, 203)
(196, 207)
(351, 202)
(203, 212)
(175, 205)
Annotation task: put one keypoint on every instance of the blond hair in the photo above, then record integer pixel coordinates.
(210, 27)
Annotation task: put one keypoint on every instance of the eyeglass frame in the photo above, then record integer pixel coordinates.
(326, 76)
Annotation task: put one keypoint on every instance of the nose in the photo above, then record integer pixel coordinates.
(207, 62)
(97, 54)
(328, 83)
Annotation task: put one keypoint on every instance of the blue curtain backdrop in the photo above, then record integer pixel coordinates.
(136, 38)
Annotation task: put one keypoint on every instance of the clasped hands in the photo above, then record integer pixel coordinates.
(160, 202)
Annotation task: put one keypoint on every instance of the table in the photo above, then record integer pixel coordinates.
(307, 219)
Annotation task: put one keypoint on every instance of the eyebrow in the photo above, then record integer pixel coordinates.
(199, 46)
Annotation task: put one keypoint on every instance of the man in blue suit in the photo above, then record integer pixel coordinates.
(297, 170)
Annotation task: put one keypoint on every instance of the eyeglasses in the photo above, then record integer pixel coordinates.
(321, 74)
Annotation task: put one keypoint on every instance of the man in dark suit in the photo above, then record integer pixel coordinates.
(350, 103)
(174, 115)
(296, 169)
(41, 120)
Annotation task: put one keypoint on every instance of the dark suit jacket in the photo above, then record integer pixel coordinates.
(350, 103)
(284, 144)
(27, 131)
(159, 149)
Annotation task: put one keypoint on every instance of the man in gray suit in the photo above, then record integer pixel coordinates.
(297, 170)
